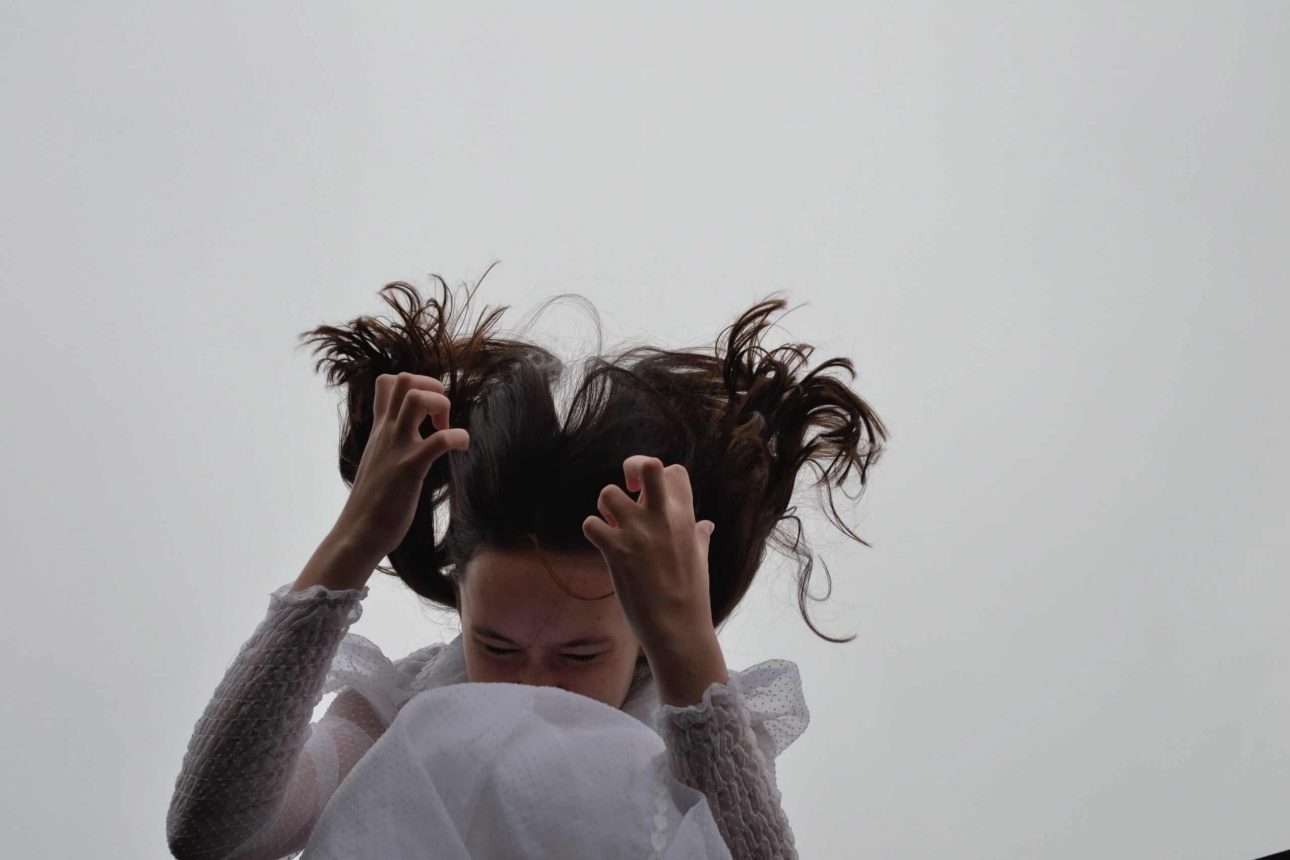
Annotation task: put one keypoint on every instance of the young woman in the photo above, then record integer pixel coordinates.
(561, 579)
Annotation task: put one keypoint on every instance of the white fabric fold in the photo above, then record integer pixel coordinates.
(491, 771)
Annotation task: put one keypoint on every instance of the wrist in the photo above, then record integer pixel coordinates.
(338, 563)
(684, 666)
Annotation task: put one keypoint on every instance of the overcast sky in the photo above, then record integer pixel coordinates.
(1050, 236)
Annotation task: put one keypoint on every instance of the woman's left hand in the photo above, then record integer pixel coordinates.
(657, 554)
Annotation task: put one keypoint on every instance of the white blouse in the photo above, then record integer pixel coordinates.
(258, 775)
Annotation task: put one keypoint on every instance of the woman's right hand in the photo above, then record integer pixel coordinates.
(387, 488)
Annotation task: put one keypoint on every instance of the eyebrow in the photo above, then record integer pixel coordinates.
(572, 643)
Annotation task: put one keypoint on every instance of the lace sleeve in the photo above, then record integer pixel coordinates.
(725, 746)
(256, 773)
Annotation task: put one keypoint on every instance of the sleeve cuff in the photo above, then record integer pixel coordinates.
(284, 596)
(770, 693)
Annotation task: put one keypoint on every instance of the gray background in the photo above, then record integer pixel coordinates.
(1052, 237)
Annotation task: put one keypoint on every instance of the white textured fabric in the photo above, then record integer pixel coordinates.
(257, 774)
(497, 771)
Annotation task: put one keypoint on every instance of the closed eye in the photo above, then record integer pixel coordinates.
(580, 658)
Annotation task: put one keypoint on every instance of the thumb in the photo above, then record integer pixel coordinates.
(706, 528)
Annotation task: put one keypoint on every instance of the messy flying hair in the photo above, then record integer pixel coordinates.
(737, 417)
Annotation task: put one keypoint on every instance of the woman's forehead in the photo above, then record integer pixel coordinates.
(520, 584)
(530, 570)
(514, 596)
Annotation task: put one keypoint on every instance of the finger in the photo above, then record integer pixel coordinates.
(381, 402)
(704, 529)
(416, 404)
(398, 385)
(651, 477)
(678, 485)
(615, 505)
(441, 441)
(598, 532)
(632, 471)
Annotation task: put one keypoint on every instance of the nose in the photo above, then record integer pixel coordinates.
(539, 676)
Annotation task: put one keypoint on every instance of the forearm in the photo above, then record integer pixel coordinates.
(246, 744)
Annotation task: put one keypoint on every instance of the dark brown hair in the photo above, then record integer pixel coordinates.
(739, 417)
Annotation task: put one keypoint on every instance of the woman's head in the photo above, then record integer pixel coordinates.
(546, 618)
(742, 419)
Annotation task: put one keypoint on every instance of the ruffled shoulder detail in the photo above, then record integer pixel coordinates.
(437, 666)
(772, 692)
(359, 663)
